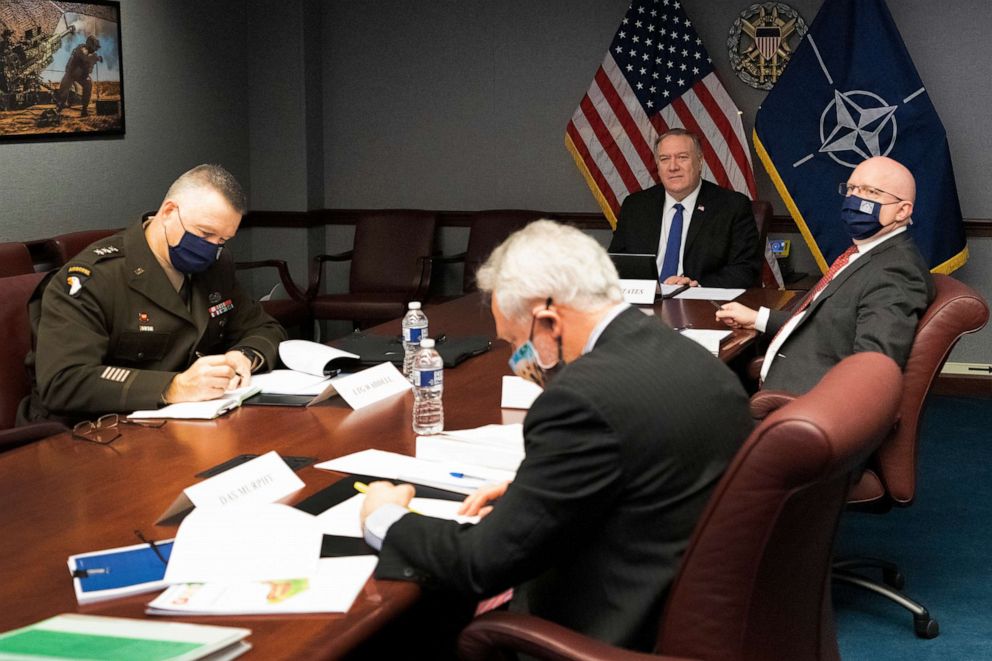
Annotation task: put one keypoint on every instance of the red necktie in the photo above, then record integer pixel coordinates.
(838, 264)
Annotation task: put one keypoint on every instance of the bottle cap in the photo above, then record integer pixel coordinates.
(414, 305)
(427, 343)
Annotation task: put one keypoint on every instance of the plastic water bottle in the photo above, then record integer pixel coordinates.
(414, 329)
(428, 386)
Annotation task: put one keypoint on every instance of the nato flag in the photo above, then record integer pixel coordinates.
(851, 92)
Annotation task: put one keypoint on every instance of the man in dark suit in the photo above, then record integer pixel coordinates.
(622, 451)
(715, 240)
(870, 299)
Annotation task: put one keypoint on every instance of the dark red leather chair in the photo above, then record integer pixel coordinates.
(15, 259)
(890, 479)
(390, 266)
(14, 383)
(489, 229)
(292, 312)
(755, 580)
(66, 246)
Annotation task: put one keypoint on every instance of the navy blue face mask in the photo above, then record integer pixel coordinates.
(193, 254)
(860, 217)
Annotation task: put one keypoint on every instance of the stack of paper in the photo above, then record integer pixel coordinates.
(333, 589)
(343, 519)
(710, 293)
(72, 636)
(710, 339)
(457, 477)
(492, 446)
(519, 393)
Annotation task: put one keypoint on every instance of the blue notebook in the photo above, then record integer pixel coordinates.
(119, 572)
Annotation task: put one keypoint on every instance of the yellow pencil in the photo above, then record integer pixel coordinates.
(361, 487)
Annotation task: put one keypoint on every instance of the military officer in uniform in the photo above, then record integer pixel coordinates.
(151, 315)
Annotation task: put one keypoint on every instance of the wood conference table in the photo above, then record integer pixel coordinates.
(63, 496)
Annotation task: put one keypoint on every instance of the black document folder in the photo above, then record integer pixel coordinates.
(375, 349)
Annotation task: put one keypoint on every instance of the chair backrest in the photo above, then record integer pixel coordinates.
(15, 259)
(14, 382)
(390, 250)
(489, 229)
(754, 581)
(956, 310)
(66, 246)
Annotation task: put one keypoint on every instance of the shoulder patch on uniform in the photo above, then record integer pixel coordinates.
(75, 282)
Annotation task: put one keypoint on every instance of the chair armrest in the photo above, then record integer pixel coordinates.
(754, 368)
(488, 636)
(317, 270)
(17, 436)
(280, 265)
(766, 402)
(449, 259)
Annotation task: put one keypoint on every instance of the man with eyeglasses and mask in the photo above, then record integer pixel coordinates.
(152, 315)
(623, 449)
(870, 299)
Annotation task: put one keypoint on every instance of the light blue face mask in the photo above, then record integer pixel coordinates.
(526, 362)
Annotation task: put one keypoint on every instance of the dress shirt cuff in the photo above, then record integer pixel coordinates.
(378, 522)
(761, 322)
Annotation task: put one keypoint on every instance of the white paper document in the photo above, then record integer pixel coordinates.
(333, 589)
(519, 393)
(710, 339)
(290, 382)
(669, 290)
(493, 446)
(207, 410)
(343, 519)
(312, 357)
(244, 544)
(710, 294)
(393, 466)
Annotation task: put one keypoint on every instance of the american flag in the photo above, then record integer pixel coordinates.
(656, 76)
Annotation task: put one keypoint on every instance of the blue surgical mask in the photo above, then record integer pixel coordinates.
(193, 254)
(526, 362)
(860, 217)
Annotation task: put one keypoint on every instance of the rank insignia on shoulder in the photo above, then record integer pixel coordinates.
(80, 270)
(104, 251)
(75, 283)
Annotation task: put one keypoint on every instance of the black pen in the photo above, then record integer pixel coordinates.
(717, 305)
(151, 544)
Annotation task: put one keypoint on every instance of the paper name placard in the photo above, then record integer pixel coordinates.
(638, 292)
(519, 393)
(371, 385)
(264, 479)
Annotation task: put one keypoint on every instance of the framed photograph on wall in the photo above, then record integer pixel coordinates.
(61, 70)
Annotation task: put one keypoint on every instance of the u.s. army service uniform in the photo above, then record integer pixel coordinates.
(113, 331)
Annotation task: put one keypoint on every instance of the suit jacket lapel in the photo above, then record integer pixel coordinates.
(851, 269)
(698, 217)
(145, 274)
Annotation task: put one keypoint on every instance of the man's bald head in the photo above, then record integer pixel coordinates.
(885, 174)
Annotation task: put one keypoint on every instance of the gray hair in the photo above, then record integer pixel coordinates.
(680, 131)
(214, 177)
(547, 260)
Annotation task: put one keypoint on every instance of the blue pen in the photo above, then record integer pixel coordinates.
(467, 477)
